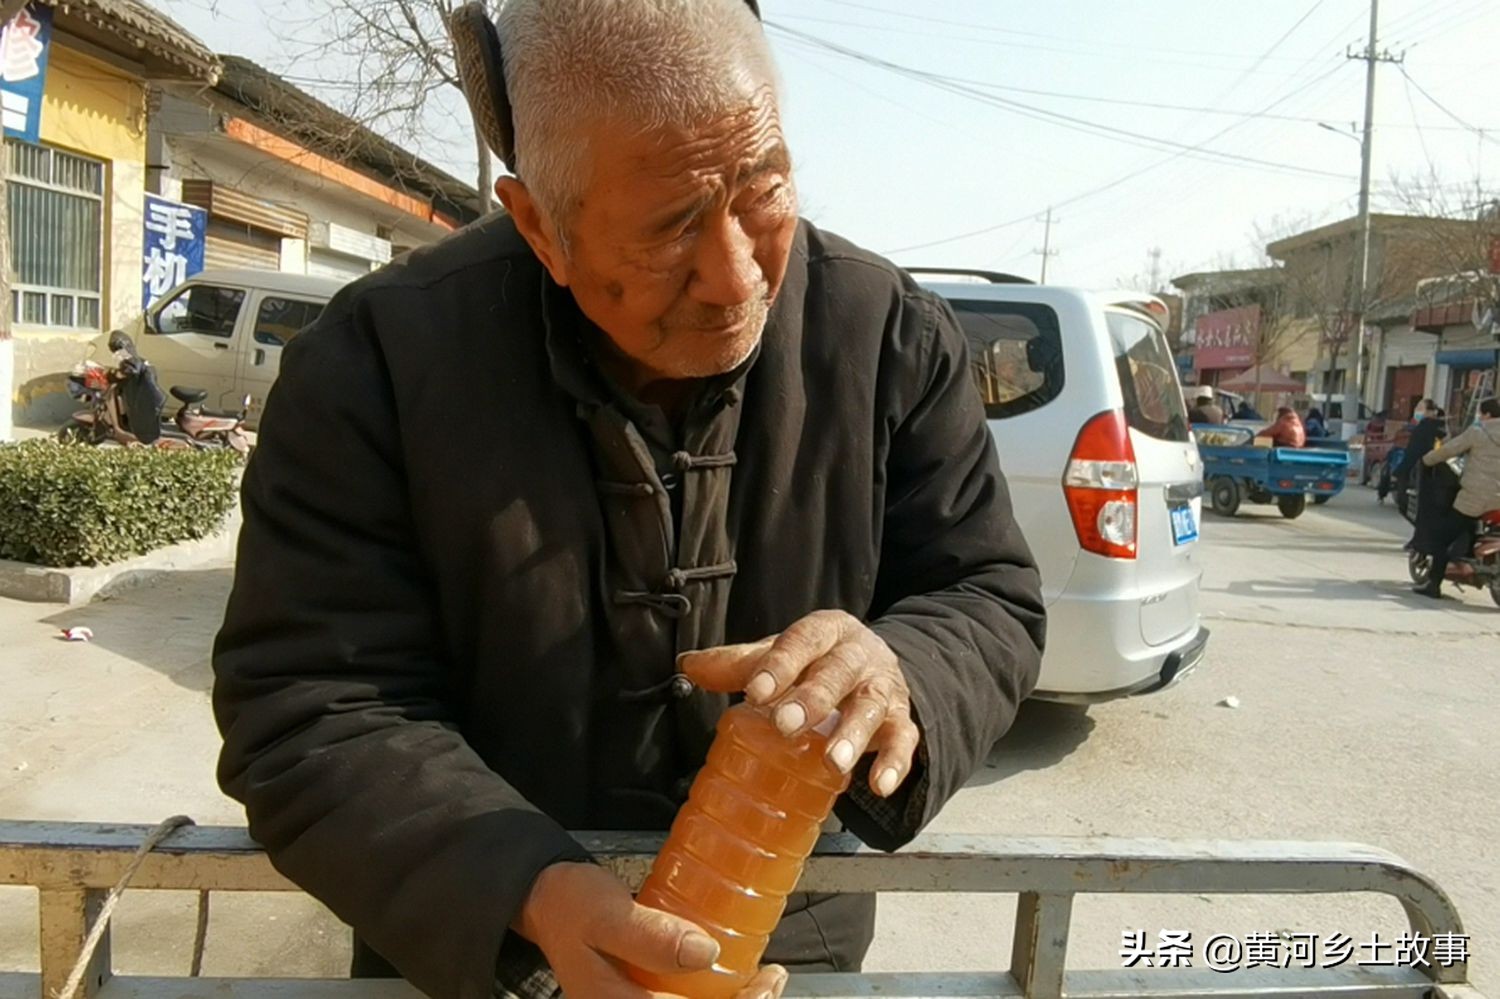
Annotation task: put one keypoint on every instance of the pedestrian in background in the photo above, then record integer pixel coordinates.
(1204, 409)
(1315, 424)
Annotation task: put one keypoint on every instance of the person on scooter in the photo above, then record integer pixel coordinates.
(1479, 489)
(1429, 427)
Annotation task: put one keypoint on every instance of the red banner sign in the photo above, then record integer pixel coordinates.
(1226, 339)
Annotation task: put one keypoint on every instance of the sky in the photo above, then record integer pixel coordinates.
(940, 133)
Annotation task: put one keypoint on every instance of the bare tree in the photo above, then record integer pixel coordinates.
(1277, 293)
(1440, 232)
(393, 67)
(1458, 234)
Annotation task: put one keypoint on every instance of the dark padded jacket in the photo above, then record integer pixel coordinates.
(461, 586)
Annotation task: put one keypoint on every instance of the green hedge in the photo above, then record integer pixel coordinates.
(71, 504)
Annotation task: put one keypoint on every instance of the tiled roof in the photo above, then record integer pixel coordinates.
(133, 29)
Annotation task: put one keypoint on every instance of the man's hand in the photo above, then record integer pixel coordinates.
(826, 661)
(588, 926)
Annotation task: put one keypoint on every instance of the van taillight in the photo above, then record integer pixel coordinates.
(1101, 487)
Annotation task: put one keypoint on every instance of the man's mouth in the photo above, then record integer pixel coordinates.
(728, 329)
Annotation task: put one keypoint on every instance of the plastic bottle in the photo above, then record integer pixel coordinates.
(738, 846)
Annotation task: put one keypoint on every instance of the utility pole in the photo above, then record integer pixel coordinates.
(1047, 252)
(1355, 385)
(1155, 255)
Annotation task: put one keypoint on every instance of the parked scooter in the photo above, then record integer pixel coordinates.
(125, 406)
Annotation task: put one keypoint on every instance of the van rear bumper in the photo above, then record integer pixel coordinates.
(1174, 666)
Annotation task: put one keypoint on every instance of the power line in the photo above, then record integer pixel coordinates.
(813, 50)
(1092, 192)
(1301, 91)
(1444, 108)
(1431, 23)
(994, 29)
(1275, 45)
(1101, 189)
(1467, 17)
(1152, 105)
(1054, 117)
(1294, 92)
(1421, 136)
(1130, 54)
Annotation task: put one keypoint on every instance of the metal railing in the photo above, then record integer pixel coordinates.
(74, 865)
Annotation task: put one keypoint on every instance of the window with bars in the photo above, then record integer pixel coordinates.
(56, 237)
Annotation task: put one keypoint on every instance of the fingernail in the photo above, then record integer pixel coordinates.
(842, 755)
(697, 950)
(761, 688)
(887, 781)
(790, 718)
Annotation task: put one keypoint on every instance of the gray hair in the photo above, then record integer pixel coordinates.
(647, 63)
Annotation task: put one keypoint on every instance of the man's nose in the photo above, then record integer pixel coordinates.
(726, 272)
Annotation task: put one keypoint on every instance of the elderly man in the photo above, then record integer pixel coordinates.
(532, 505)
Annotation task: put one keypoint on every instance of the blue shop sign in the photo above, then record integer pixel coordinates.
(24, 47)
(176, 235)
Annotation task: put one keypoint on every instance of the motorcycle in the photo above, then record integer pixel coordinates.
(126, 406)
(1478, 567)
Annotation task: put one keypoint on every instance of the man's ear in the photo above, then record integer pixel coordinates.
(534, 227)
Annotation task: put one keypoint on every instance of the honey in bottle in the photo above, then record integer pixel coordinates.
(738, 846)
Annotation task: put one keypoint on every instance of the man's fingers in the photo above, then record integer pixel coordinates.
(794, 650)
(726, 669)
(766, 669)
(589, 974)
(656, 941)
(768, 984)
(823, 686)
(896, 744)
(862, 715)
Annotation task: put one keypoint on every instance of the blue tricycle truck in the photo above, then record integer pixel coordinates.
(1237, 469)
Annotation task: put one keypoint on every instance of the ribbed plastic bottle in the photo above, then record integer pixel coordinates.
(738, 846)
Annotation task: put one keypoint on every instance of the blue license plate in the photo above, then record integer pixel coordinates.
(1184, 525)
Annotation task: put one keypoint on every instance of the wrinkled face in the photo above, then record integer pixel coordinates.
(680, 241)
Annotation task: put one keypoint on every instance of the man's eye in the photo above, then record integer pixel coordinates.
(770, 195)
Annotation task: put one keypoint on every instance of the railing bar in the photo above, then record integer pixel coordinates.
(64, 918)
(1039, 951)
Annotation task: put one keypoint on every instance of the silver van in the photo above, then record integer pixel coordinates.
(223, 331)
(1087, 414)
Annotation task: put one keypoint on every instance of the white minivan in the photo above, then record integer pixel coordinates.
(1088, 418)
(223, 331)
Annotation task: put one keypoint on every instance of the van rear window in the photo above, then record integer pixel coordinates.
(1148, 378)
(1015, 350)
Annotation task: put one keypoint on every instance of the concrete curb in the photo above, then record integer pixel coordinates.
(40, 584)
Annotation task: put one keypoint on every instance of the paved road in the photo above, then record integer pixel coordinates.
(1362, 717)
